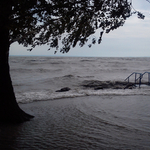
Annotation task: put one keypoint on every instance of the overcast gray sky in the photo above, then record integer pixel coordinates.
(131, 40)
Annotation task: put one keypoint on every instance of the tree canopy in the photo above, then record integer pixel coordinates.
(67, 22)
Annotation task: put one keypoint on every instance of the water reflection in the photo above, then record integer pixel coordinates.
(117, 122)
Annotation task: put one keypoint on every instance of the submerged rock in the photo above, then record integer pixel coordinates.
(65, 89)
(129, 86)
(99, 85)
(98, 88)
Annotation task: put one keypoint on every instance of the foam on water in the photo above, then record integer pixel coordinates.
(37, 78)
(28, 97)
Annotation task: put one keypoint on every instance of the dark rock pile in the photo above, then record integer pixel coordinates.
(65, 89)
(98, 85)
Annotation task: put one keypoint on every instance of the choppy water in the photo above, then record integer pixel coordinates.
(37, 78)
(86, 119)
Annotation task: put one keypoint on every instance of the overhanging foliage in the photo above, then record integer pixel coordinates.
(39, 22)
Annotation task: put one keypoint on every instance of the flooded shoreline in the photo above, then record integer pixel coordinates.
(90, 122)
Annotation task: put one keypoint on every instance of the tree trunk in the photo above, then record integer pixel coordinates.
(10, 112)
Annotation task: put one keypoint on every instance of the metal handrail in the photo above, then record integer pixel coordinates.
(133, 74)
(143, 75)
(129, 76)
(139, 78)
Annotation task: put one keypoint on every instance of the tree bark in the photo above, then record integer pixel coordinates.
(10, 111)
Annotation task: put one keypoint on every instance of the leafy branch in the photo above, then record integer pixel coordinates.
(139, 14)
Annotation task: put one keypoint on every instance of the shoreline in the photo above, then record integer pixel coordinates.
(91, 122)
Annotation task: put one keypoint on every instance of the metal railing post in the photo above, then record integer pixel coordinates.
(135, 78)
(139, 79)
(148, 78)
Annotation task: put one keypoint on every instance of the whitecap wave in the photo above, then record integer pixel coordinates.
(28, 97)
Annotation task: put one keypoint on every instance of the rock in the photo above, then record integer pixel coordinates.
(65, 89)
(117, 87)
(98, 85)
(91, 83)
(98, 88)
(129, 86)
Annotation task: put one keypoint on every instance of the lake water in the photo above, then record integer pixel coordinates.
(37, 78)
(82, 118)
